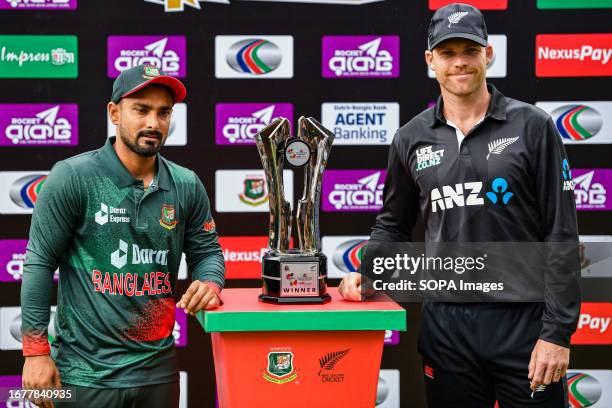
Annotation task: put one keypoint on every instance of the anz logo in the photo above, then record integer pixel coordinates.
(468, 194)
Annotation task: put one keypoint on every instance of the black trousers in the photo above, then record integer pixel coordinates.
(151, 396)
(475, 354)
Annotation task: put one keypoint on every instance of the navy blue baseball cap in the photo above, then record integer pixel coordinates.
(457, 20)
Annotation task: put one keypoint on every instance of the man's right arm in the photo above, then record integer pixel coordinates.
(55, 216)
(398, 215)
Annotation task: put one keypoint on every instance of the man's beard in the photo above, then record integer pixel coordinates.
(149, 149)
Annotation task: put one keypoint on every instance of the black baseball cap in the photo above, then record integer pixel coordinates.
(457, 20)
(134, 79)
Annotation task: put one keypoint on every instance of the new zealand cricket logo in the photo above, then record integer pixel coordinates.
(280, 368)
(255, 191)
(168, 217)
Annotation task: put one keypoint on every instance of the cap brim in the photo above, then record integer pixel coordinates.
(467, 36)
(179, 92)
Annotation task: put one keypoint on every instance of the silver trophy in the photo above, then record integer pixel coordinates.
(294, 275)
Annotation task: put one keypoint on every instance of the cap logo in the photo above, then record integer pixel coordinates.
(150, 72)
(456, 17)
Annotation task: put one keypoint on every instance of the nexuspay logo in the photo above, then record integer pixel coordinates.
(254, 57)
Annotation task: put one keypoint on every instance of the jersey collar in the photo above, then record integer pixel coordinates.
(496, 110)
(121, 176)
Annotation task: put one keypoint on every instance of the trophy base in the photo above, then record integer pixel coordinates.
(294, 278)
(295, 300)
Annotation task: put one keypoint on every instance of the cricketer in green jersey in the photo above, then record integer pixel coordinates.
(116, 221)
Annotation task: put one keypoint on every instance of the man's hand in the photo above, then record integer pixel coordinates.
(199, 295)
(548, 363)
(350, 287)
(40, 372)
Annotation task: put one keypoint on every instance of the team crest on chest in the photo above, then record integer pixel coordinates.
(168, 217)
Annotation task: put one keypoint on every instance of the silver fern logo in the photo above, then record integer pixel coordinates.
(456, 17)
(499, 145)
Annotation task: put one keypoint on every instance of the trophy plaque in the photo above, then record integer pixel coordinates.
(294, 275)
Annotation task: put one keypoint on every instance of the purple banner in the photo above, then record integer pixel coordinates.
(353, 190)
(180, 328)
(38, 4)
(591, 187)
(168, 53)
(12, 258)
(39, 124)
(367, 56)
(391, 337)
(238, 123)
(8, 382)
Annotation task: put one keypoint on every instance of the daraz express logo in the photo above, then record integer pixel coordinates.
(570, 55)
(38, 124)
(111, 214)
(144, 256)
(167, 53)
(25, 190)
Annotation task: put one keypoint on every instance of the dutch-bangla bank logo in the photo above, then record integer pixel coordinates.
(38, 124)
(238, 123)
(361, 123)
(25, 190)
(569, 55)
(353, 190)
(589, 388)
(346, 254)
(38, 4)
(168, 53)
(581, 122)
(254, 57)
(360, 56)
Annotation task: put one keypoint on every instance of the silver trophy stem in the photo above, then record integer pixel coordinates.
(319, 140)
(269, 141)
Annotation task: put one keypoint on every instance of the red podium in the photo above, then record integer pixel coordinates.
(298, 355)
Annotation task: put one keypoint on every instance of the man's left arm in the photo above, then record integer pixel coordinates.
(556, 201)
(204, 254)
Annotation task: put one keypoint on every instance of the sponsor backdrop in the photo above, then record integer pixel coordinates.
(357, 66)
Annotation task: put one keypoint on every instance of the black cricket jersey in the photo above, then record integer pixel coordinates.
(508, 180)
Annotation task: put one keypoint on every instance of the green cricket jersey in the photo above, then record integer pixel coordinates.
(118, 248)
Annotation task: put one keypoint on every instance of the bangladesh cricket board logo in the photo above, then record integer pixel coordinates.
(280, 367)
(168, 217)
(255, 191)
